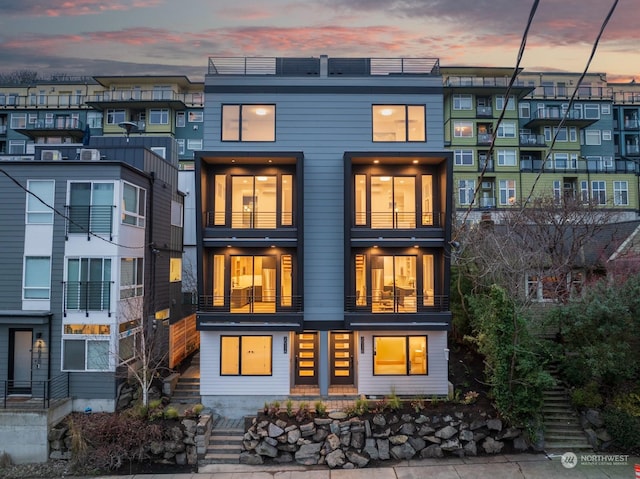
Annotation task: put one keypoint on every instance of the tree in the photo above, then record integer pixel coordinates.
(143, 358)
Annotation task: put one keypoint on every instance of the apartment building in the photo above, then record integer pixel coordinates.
(558, 136)
(100, 257)
(323, 223)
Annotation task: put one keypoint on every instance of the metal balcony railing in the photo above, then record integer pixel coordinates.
(397, 301)
(530, 139)
(41, 392)
(250, 219)
(87, 296)
(93, 219)
(250, 300)
(397, 220)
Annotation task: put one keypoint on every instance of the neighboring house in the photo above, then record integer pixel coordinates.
(323, 199)
(89, 247)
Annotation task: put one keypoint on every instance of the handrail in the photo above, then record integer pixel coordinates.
(46, 390)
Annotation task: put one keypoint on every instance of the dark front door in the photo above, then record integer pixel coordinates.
(306, 358)
(341, 350)
(20, 345)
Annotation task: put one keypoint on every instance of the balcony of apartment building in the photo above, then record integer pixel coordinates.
(564, 91)
(484, 133)
(630, 119)
(54, 126)
(553, 115)
(626, 97)
(536, 162)
(532, 140)
(49, 99)
(137, 98)
(485, 162)
(483, 107)
(251, 235)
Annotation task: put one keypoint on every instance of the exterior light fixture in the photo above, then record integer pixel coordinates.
(386, 111)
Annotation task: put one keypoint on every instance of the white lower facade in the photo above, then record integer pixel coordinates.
(318, 364)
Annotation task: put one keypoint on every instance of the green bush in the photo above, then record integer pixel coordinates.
(321, 408)
(623, 427)
(587, 397)
(171, 413)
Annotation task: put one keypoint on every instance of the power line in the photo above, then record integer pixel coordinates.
(571, 100)
(512, 80)
(59, 213)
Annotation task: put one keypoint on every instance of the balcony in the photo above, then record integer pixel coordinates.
(632, 124)
(135, 98)
(54, 127)
(582, 165)
(249, 219)
(89, 220)
(3, 130)
(553, 117)
(313, 66)
(484, 112)
(484, 138)
(87, 296)
(397, 220)
(396, 302)
(529, 139)
(560, 92)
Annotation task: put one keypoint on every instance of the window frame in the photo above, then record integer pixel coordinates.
(507, 157)
(461, 155)
(240, 355)
(621, 193)
(35, 282)
(407, 355)
(506, 186)
(161, 116)
(134, 287)
(116, 115)
(462, 101)
(35, 208)
(469, 188)
(235, 134)
(460, 127)
(376, 113)
(507, 129)
(134, 218)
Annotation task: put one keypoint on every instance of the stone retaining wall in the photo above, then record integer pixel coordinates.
(340, 442)
(184, 443)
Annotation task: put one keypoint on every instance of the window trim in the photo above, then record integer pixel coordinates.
(34, 202)
(139, 216)
(26, 287)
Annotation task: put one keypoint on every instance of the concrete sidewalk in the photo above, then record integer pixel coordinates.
(519, 466)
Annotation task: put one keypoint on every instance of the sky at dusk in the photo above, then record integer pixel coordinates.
(148, 37)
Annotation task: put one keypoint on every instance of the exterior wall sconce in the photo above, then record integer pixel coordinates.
(39, 345)
(285, 344)
(446, 354)
(361, 344)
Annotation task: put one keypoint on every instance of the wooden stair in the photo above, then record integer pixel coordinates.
(187, 391)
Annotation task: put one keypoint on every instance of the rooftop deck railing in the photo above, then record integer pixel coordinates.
(312, 66)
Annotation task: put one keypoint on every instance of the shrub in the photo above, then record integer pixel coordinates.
(470, 397)
(303, 412)
(5, 459)
(587, 397)
(629, 403)
(395, 403)
(171, 413)
(289, 407)
(321, 408)
(623, 427)
(418, 404)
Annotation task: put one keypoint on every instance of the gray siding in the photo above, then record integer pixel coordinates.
(324, 126)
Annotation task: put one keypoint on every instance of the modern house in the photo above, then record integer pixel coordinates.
(323, 209)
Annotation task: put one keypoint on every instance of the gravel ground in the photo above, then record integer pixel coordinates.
(48, 470)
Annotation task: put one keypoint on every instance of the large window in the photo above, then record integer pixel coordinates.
(463, 157)
(507, 192)
(37, 277)
(18, 120)
(116, 116)
(399, 123)
(133, 205)
(463, 129)
(599, 192)
(159, 116)
(507, 130)
(462, 102)
(392, 202)
(507, 158)
(466, 189)
(511, 103)
(86, 354)
(37, 211)
(245, 355)
(620, 193)
(131, 277)
(90, 207)
(400, 355)
(262, 201)
(393, 284)
(248, 122)
(88, 286)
